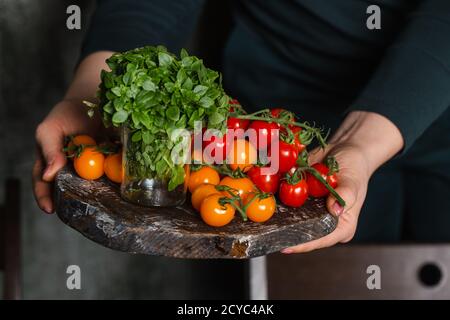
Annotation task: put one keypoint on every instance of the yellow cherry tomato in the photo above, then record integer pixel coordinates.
(79, 140)
(200, 193)
(113, 167)
(260, 209)
(201, 176)
(241, 185)
(242, 155)
(214, 213)
(89, 164)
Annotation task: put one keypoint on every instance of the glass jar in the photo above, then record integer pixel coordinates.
(144, 186)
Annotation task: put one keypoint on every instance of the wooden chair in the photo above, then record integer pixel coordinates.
(10, 241)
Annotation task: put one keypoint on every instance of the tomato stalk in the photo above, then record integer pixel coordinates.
(286, 122)
(258, 195)
(319, 177)
(232, 201)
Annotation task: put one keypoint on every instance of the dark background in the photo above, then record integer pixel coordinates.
(37, 60)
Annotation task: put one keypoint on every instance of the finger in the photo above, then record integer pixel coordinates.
(329, 240)
(51, 139)
(316, 155)
(42, 189)
(348, 191)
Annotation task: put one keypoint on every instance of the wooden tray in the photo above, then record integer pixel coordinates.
(95, 209)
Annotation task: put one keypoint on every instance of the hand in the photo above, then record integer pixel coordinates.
(364, 141)
(66, 118)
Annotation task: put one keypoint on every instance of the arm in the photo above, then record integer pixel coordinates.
(117, 25)
(67, 117)
(407, 92)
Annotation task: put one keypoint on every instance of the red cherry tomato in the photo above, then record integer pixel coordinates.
(235, 123)
(265, 131)
(287, 156)
(265, 182)
(297, 142)
(294, 195)
(277, 112)
(316, 188)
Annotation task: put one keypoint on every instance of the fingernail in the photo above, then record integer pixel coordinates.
(337, 208)
(287, 251)
(47, 169)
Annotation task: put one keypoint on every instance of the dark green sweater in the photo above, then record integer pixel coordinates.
(315, 57)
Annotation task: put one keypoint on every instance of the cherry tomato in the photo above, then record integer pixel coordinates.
(297, 142)
(79, 140)
(265, 182)
(242, 155)
(202, 175)
(265, 132)
(287, 157)
(113, 167)
(260, 209)
(214, 213)
(294, 195)
(200, 193)
(316, 188)
(89, 164)
(241, 185)
(215, 146)
(235, 123)
(282, 113)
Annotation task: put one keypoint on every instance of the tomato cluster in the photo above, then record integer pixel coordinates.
(92, 161)
(243, 180)
(243, 184)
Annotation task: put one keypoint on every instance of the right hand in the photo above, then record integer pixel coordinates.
(66, 118)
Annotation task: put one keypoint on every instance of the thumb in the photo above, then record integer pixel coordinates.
(50, 139)
(347, 190)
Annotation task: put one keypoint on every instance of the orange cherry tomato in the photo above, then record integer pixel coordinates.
(242, 185)
(203, 175)
(79, 140)
(214, 213)
(260, 209)
(242, 155)
(200, 193)
(113, 167)
(89, 164)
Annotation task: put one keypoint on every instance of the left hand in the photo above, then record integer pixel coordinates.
(363, 142)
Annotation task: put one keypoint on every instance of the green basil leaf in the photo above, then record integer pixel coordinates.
(146, 137)
(120, 116)
(216, 118)
(136, 136)
(200, 90)
(206, 102)
(116, 91)
(173, 113)
(148, 85)
(164, 59)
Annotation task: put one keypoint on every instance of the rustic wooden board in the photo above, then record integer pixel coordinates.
(95, 209)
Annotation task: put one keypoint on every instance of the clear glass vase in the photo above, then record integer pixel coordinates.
(144, 187)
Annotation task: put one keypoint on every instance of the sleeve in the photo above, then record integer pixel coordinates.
(120, 25)
(411, 85)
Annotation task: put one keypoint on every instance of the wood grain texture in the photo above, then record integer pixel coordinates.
(95, 209)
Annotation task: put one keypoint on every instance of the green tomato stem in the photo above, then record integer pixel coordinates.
(254, 117)
(319, 177)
